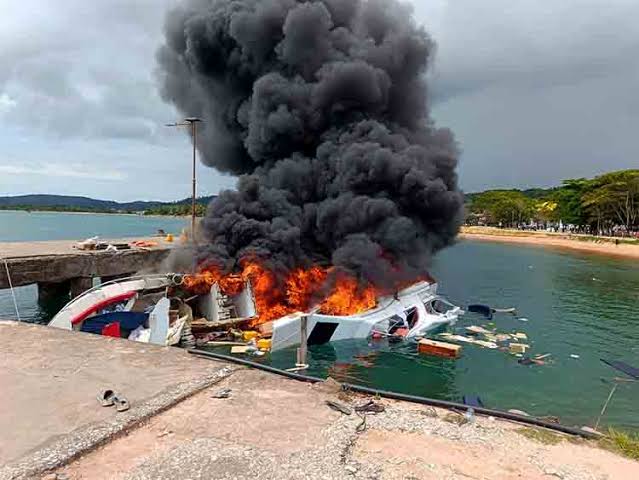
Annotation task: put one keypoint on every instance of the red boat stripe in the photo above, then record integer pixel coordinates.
(100, 305)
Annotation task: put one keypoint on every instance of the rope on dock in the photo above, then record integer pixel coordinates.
(13, 293)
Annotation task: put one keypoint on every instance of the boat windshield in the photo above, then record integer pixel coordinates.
(438, 306)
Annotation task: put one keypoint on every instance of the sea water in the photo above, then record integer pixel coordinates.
(578, 308)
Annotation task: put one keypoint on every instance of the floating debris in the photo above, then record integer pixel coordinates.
(439, 349)
(476, 329)
(239, 349)
(518, 347)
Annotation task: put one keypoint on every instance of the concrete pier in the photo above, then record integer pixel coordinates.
(50, 380)
(268, 427)
(59, 269)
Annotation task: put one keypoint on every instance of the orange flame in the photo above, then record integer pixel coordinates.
(300, 290)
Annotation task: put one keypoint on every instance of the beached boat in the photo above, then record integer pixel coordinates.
(155, 308)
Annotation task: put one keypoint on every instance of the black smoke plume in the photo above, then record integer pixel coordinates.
(321, 108)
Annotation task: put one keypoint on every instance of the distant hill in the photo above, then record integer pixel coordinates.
(65, 202)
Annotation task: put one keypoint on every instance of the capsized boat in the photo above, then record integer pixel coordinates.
(157, 309)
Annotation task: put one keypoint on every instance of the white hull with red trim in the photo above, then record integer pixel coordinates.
(102, 296)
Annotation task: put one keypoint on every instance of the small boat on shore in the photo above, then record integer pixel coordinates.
(160, 309)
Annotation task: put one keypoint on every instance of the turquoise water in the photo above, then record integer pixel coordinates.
(23, 226)
(16, 226)
(575, 304)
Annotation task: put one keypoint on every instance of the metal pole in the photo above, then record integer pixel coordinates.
(194, 130)
(302, 351)
(192, 122)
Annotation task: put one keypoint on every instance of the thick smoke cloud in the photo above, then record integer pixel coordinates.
(321, 107)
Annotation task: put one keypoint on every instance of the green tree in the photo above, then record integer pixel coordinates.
(569, 198)
(506, 207)
(614, 199)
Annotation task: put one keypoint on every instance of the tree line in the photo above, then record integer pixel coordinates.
(605, 205)
(177, 210)
(61, 208)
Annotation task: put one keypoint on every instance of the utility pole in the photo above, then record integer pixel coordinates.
(191, 122)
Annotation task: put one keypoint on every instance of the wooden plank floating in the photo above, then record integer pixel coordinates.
(439, 349)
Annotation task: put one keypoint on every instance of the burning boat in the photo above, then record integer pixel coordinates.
(167, 309)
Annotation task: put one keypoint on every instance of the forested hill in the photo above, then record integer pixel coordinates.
(86, 204)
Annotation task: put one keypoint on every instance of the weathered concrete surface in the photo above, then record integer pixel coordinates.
(54, 262)
(274, 428)
(50, 379)
(269, 428)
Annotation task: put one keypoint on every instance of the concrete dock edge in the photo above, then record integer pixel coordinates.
(88, 438)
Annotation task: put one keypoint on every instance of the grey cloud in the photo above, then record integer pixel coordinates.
(85, 69)
(532, 45)
(536, 92)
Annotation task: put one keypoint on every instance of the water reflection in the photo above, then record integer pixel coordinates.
(395, 367)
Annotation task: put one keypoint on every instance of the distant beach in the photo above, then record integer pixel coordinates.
(626, 248)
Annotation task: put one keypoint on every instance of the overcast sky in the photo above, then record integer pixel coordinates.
(535, 92)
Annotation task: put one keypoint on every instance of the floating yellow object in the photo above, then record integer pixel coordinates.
(169, 237)
(249, 335)
(518, 347)
(264, 344)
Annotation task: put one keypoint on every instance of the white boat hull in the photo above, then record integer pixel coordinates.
(323, 328)
(96, 295)
(417, 301)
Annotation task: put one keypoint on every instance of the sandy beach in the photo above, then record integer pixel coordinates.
(581, 243)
